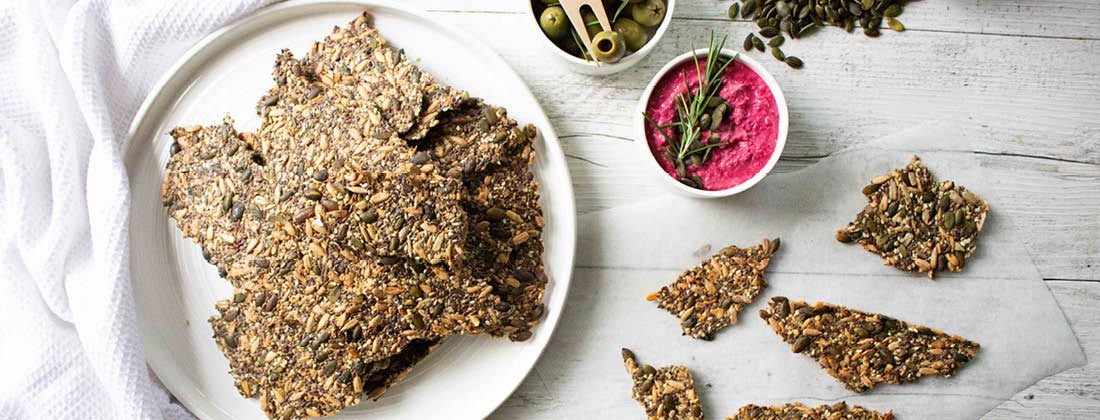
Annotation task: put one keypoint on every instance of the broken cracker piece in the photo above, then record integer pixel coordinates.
(667, 393)
(798, 411)
(917, 224)
(862, 349)
(709, 296)
(504, 244)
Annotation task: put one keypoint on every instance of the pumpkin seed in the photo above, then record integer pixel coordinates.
(782, 9)
(748, 8)
(776, 42)
(895, 24)
(892, 11)
(778, 54)
(717, 116)
(870, 188)
(735, 8)
(238, 212)
(800, 344)
(793, 62)
(313, 194)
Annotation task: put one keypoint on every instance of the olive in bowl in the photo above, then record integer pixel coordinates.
(636, 26)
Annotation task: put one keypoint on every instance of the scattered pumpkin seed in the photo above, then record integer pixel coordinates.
(796, 18)
(778, 54)
(748, 8)
(895, 24)
(793, 62)
(759, 44)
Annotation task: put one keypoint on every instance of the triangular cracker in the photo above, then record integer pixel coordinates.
(667, 393)
(798, 411)
(709, 296)
(862, 349)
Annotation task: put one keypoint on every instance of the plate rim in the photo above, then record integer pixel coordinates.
(195, 400)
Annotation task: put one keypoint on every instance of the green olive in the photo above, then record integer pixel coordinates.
(554, 23)
(633, 32)
(608, 46)
(549, 2)
(648, 12)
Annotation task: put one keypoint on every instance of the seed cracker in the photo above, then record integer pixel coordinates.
(473, 138)
(314, 333)
(862, 349)
(505, 245)
(313, 268)
(664, 393)
(709, 296)
(917, 224)
(356, 58)
(211, 188)
(798, 411)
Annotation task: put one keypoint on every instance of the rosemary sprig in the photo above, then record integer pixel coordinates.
(686, 146)
(580, 45)
(618, 11)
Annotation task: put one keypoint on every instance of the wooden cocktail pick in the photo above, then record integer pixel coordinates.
(573, 12)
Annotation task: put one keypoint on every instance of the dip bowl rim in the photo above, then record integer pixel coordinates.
(582, 66)
(655, 167)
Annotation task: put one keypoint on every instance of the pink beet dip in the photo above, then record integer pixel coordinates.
(750, 130)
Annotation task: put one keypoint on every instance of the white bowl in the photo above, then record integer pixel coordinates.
(651, 161)
(582, 66)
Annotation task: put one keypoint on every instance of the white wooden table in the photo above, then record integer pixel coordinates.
(1028, 72)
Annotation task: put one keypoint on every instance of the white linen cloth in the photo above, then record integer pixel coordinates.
(72, 76)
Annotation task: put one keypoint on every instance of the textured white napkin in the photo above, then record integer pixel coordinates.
(72, 76)
(625, 253)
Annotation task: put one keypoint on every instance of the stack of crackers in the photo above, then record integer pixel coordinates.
(373, 213)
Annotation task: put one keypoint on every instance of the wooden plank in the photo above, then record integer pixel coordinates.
(1049, 18)
(1073, 394)
(1057, 205)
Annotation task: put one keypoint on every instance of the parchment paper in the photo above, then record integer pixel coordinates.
(999, 300)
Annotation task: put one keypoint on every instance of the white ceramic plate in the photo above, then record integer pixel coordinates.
(175, 289)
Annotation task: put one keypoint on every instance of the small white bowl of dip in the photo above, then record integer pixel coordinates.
(755, 127)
